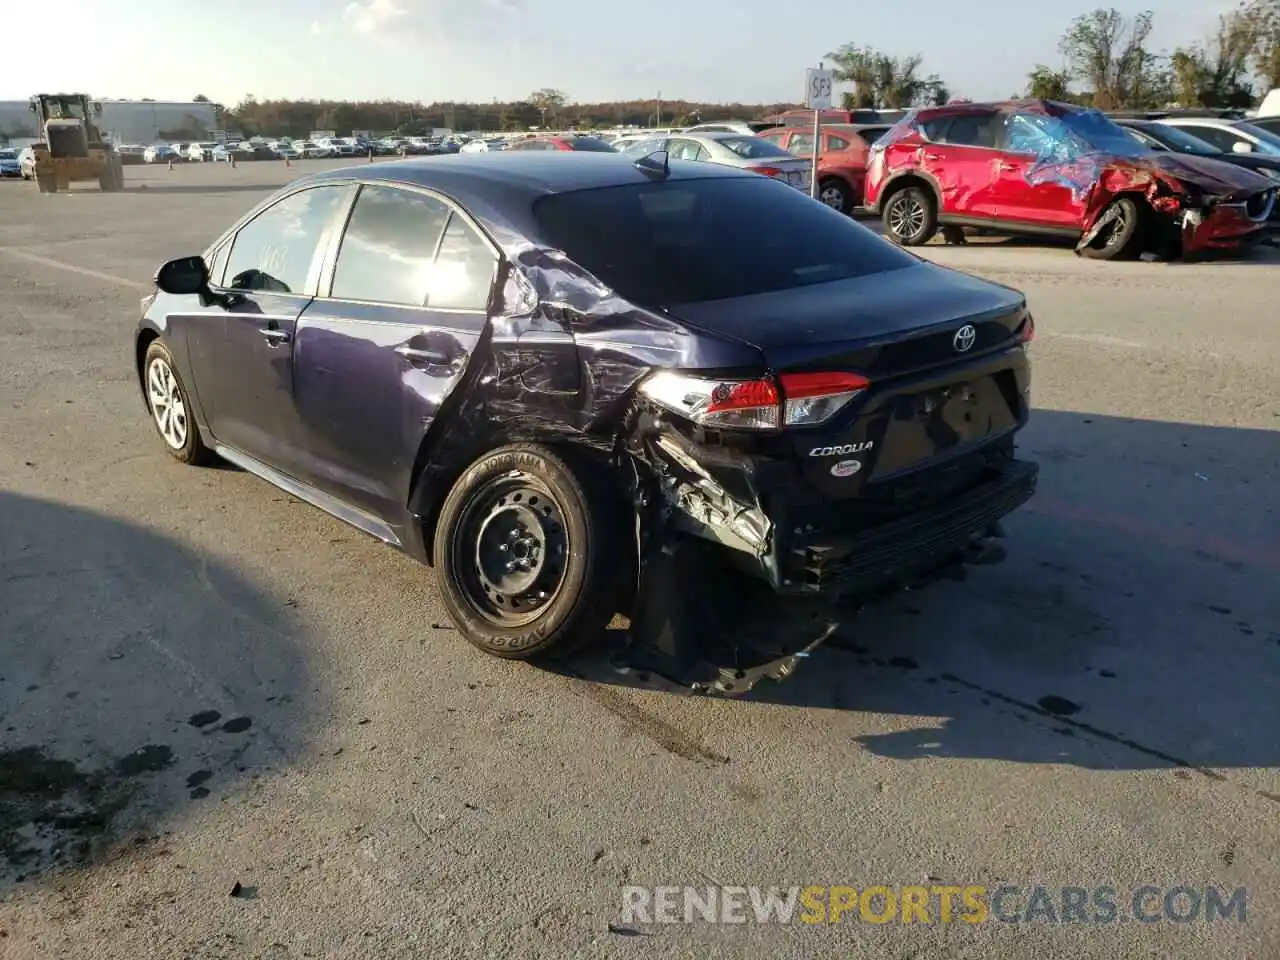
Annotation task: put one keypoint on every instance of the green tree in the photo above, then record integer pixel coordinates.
(200, 98)
(549, 103)
(1107, 52)
(1217, 73)
(1045, 83)
(859, 66)
(1263, 17)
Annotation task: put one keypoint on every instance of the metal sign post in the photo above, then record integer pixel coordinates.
(817, 97)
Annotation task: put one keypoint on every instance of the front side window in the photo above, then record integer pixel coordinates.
(274, 251)
(389, 246)
(964, 129)
(462, 275)
(802, 145)
(1030, 133)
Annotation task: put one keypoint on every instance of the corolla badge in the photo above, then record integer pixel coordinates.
(846, 468)
(964, 338)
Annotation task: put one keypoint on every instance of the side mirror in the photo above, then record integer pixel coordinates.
(1240, 146)
(183, 277)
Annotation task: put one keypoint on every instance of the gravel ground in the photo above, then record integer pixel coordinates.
(205, 684)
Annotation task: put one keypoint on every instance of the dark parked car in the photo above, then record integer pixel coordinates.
(1166, 137)
(559, 379)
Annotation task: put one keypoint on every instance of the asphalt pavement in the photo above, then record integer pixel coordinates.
(208, 687)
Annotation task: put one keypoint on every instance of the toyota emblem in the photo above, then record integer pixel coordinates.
(964, 338)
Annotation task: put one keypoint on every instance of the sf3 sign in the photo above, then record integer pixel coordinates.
(818, 85)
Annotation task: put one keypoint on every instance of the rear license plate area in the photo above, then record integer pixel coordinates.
(933, 424)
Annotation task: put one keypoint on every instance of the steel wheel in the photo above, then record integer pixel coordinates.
(511, 550)
(907, 215)
(167, 407)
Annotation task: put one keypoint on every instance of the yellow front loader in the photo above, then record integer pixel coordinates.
(73, 148)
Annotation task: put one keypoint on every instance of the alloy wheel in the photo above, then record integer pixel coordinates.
(906, 216)
(167, 408)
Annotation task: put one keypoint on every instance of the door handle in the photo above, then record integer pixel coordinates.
(933, 156)
(419, 355)
(275, 336)
(1006, 167)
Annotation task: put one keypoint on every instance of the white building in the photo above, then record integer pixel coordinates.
(125, 121)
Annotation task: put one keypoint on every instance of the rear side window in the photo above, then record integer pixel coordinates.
(390, 243)
(686, 241)
(462, 275)
(591, 145)
(752, 148)
(837, 143)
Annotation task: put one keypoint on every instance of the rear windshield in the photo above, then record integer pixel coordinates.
(687, 241)
(753, 148)
(591, 144)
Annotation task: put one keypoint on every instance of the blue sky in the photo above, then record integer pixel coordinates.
(710, 50)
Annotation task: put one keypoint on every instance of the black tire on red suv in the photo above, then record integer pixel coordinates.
(910, 215)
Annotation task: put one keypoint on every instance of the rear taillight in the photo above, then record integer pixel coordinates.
(766, 171)
(791, 400)
(1027, 332)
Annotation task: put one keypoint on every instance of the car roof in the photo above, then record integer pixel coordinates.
(535, 174)
(1209, 121)
(499, 188)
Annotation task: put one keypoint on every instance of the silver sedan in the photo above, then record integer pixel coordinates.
(732, 150)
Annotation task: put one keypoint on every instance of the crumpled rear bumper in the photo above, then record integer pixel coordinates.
(830, 564)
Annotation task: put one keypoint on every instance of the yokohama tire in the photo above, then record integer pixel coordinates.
(499, 499)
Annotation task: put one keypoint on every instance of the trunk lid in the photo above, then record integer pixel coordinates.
(882, 324)
(936, 345)
(790, 171)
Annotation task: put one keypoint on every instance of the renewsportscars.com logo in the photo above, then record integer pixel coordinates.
(931, 905)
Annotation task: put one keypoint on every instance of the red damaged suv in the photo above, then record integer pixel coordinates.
(1041, 167)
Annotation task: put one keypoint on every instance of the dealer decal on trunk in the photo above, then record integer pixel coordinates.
(846, 468)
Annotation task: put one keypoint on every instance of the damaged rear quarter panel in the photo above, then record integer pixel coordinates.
(560, 365)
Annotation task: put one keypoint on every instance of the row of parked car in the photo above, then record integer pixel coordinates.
(1118, 186)
(285, 149)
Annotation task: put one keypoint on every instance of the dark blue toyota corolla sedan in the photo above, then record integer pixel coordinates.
(584, 384)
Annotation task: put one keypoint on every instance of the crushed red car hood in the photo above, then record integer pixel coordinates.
(1210, 175)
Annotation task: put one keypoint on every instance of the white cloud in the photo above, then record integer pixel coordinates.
(373, 16)
(317, 28)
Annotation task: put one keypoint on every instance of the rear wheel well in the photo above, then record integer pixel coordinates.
(589, 463)
(909, 180)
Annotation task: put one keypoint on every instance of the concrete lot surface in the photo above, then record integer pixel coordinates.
(205, 683)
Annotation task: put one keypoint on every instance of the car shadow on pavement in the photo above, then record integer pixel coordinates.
(1133, 624)
(137, 679)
